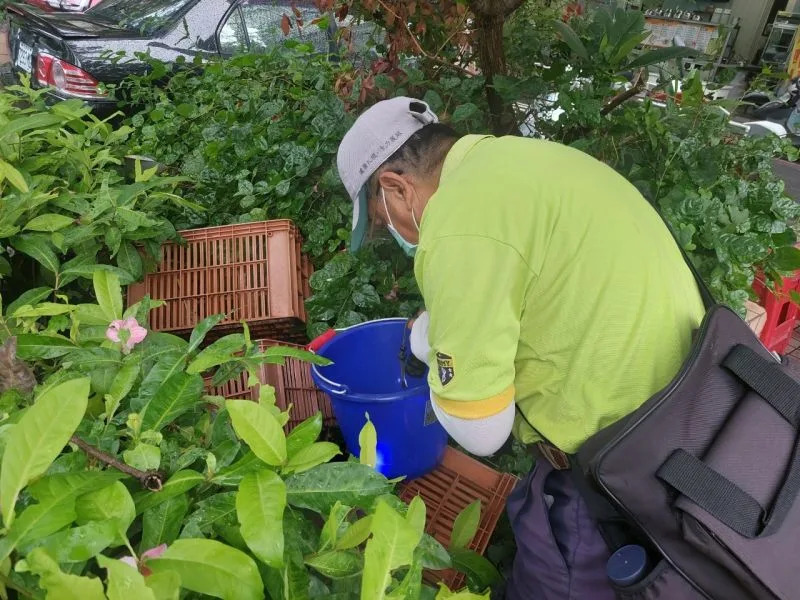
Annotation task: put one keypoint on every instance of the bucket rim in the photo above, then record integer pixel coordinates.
(341, 391)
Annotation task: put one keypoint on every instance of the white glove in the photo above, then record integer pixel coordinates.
(419, 338)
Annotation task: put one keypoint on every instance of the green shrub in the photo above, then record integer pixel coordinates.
(257, 136)
(118, 450)
(64, 198)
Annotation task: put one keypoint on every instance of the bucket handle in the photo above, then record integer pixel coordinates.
(322, 339)
(333, 388)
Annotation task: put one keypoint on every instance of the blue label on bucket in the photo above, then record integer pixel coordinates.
(430, 416)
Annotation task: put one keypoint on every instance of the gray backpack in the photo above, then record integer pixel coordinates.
(706, 473)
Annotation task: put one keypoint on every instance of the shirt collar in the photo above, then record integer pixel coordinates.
(459, 151)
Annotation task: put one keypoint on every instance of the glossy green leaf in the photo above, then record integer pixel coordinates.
(221, 351)
(311, 456)
(211, 516)
(305, 434)
(91, 359)
(356, 534)
(166, 585)
(79, 544)
(30, 297)
(145, 457)
(233, 475)
(466, 525)
(277, 354)
(39, 437)
(201, 330)
(336, 563)
(210, 567)
(130, 260)
(480, 572)
(334, 523)
(175, 396)
(260, 503)
(15, 178)
(38, 120)
(415, 515)
(162, 523)
(37, 346)
(786, 258)
(49, 222)
(433, 555)
(391, 546)
(92, 314)
(38, 521)
(38, 249)
(124, 582)
(319, 488)
(43, 309)
(122, 385)
(259, 429)
(59, 585)
(367, 443)
(410, 586)
(180, 482)
(111, 503)
(572, 40)
(108, 292)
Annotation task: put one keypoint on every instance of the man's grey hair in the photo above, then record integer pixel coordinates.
(421, 155)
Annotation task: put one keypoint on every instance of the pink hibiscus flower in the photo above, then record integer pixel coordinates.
(128, 331)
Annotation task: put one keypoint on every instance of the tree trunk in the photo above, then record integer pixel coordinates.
(489, 17)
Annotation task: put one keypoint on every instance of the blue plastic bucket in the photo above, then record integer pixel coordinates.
(365, 377)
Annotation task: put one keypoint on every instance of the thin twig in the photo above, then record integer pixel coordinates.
(151, 480)
(420, 49)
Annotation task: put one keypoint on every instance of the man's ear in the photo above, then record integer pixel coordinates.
(397, 188)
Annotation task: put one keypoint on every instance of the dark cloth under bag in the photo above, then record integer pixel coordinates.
(706, 473)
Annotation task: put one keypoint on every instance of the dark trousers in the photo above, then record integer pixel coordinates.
(560, 552)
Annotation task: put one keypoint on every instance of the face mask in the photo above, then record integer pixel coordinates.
(409, 248)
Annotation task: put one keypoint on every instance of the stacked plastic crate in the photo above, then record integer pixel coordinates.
(251, 272)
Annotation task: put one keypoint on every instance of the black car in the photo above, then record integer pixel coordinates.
(74, 53)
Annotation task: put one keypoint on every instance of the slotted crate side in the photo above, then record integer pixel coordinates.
(235, 389)
(449, 489)
(251, 272)
(293, 385)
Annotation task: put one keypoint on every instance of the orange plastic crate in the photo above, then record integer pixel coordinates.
(293, 385)
(449, 489)
(251, 272)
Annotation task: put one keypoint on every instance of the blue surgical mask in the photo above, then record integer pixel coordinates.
(409, 248)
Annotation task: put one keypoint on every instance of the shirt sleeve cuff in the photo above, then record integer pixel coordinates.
(476, 409)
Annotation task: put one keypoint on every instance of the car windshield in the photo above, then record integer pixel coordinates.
(144, 16)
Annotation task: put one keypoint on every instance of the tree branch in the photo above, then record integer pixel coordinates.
(621, 98)
(151, 480)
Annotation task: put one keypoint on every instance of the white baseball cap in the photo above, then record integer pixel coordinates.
(374, 137)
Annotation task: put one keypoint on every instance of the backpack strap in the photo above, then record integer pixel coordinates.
(717, 495)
